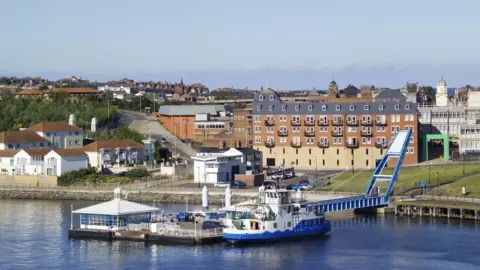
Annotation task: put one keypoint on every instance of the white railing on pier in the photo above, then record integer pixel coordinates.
(138, 227)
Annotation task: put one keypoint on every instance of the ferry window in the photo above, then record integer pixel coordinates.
(274, 225)
(304, 223)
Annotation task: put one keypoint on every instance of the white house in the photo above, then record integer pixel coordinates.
(107, 153)
(30, 161)
(60, 134)
(60, 161)
(21, 139)
(218, 167)
(7, 161)
(115, 87)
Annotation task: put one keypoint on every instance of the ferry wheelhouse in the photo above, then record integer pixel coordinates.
(273, 216)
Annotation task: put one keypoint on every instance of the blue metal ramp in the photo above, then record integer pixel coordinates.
(397, 149)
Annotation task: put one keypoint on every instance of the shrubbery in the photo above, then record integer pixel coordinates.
(136, 173)
(75, 176)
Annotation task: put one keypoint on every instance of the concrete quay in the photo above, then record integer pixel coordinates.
(160, 195)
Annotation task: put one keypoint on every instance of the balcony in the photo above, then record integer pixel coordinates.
(282, 133)
(309, 133)
(309, 122)
(337, 133)
(323, 122)
(366, 133)
(367, 122)
(381, 122)
(295, 122)
(269, 123)
(296, 144)
(270, 144)
(381, 145)
(338, 122)
(323, 144)
(352, 123)
(352, 145)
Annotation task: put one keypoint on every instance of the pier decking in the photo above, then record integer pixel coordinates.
(438, 208)
(201, 237)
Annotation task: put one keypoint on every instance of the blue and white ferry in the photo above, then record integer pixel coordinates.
(273, 216)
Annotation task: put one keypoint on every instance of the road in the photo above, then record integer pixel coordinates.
(146, 125)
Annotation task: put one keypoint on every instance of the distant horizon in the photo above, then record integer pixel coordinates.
(279, 79)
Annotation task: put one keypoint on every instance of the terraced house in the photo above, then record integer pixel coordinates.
(338, 134)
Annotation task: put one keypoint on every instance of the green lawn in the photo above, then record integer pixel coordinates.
(408, 177)
(472, 184)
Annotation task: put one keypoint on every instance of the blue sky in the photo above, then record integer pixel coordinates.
(290, 44)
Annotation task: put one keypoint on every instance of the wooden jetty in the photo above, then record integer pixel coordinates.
(438, 208)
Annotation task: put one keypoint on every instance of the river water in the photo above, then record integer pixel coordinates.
(34, 235)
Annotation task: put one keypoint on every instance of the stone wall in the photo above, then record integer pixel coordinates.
(29, 180)
(161, 197)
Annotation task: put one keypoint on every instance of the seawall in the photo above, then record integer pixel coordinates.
(134, 196)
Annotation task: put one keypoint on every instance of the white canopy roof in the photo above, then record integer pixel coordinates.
(117, 207)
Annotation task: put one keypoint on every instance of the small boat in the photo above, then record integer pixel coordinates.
(273, 216)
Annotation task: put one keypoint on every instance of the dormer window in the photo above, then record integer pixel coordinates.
(337, 107)
(310, 107)
(284, 107)
(407, 107)
(260, 97)
(397, 107)
(324, 107)
(258, 108)
(297, 108)
(380, 107)
(270, 108)
(272, 97)
(366, 107)
(352, 107)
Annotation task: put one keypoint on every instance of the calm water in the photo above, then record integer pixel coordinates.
(33, 235)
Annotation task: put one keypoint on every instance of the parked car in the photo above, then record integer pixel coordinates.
(289, 175)
(276, 177)
(269, 184)
(185, 216)
(222, 184)
(238, 184)
(293, 187)
(304, 184)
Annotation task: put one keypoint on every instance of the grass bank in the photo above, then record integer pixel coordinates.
(409, 177)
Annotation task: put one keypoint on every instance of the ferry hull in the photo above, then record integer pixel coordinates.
(238, 238)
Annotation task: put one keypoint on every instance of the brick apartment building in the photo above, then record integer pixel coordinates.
(240, 135)
(196, 122)
(341, 133)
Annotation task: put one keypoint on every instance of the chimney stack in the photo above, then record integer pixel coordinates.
(72, 121)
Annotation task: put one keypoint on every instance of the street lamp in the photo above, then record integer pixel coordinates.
(429, 168)
(438, 185)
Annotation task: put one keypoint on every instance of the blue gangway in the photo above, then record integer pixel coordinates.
(396, 150)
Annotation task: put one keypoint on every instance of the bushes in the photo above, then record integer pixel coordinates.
(75, 176)
(136, 173)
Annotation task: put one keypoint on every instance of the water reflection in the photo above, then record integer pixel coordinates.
(34, 236)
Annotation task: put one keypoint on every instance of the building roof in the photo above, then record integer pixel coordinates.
(21, 136)
(53, 127)
(75, 90)
(29, 92)
(211, 150)
(274, 105)
(351, 91)
(70, 152)
(391, 95)
(111, 144)
(116, 207)
(37, 151)
(191, 109)
(9, 152)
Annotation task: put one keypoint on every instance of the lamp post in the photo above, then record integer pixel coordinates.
(463, 163)
(429, 176)
(438, 185)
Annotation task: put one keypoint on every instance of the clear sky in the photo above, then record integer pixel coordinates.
(290, 44)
